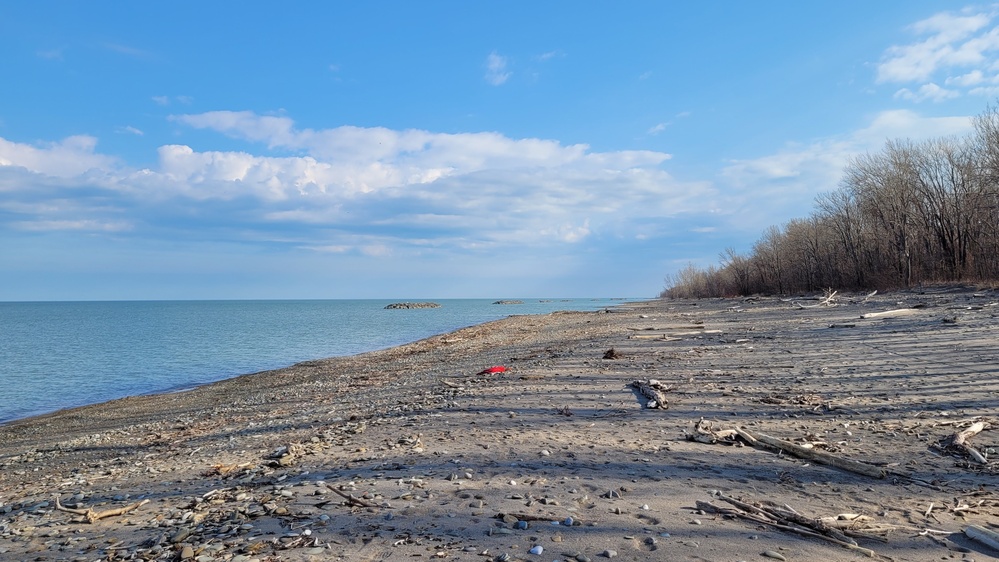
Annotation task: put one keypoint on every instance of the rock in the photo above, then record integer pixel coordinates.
(403, 305)
(508, 302)
(538, 549)
(609, 553)
(773, 554)
(187, 552)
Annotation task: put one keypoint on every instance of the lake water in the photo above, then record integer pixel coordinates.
(55, 355)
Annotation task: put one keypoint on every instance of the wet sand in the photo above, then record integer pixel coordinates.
(407, 453)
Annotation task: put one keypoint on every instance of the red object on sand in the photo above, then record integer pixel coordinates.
(493, 370)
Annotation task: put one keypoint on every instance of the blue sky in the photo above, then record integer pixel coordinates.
(175, 150)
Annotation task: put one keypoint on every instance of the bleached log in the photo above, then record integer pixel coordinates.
(891, 313)
(820, 457)
(985, 536)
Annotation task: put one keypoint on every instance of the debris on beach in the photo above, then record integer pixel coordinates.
(655, 391)
(493, 370)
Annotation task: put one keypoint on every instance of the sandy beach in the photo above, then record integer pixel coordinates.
(409, 454)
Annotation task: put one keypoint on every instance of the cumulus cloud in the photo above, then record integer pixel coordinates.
(363, 190)
(73, 156)
(925, 92)
(959, 50)
(496, 69)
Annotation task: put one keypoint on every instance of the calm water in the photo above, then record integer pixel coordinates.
(55, 355)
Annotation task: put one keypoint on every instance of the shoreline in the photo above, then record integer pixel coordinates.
(141, 365)
(438, 458)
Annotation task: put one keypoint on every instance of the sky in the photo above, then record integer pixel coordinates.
(399, 149)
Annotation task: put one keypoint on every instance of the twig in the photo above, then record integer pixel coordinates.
(351, 499)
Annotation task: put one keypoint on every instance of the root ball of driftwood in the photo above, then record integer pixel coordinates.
(655, 391)
(612, 354)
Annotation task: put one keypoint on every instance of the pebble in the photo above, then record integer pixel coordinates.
(537, 549)
(582, 558)
(609, 553)
(773, 554)
(522, 525)
(186, 553)
(568, 522)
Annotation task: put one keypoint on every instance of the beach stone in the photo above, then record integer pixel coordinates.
(187, 552)
(537, 549)
(609, 553)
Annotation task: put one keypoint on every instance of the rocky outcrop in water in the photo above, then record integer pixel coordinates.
(414, 305)
(508, 302)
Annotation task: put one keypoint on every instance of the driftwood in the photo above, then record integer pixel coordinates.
(351, 499)
(93, 516)
(655, 391)
(672, 336)
(891, 313)
(704, 434)
(667, 328)
(786, 519)
(958, 442)
(528, 517)
(985, 536)
(827, 300)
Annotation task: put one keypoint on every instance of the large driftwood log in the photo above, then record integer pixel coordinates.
(655, 391)
(983, 535)
(703, 433)
(820, 457)
(93, 516)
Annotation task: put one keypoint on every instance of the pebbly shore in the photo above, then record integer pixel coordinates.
(416, 453)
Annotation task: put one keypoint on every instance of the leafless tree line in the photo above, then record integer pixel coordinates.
(913, 213)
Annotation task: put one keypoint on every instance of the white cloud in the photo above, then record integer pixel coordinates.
(960, 51)
(496, 69)
(970, 79)
(657, 128)
(51, 54)
(780, 186)
(364, 191)
(543, 57)
(80, 225)
(925, 92)
(73, 156)
(130, 130)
